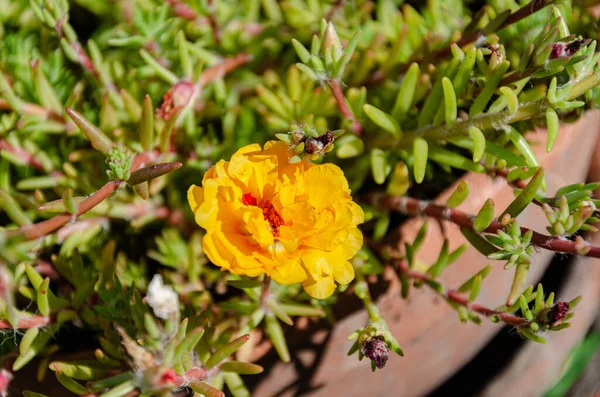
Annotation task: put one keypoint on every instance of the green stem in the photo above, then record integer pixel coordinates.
(365, 296)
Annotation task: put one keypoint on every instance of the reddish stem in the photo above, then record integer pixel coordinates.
(30, 322)
(33, 109)
(222, 68)
(31, 232)
(413, 206)
(338, 94)
(456, 297)
(28, 158)
(212, 20)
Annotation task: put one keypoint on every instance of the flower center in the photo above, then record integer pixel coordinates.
(269, 212)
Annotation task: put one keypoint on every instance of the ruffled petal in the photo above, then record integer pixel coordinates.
(288, 271)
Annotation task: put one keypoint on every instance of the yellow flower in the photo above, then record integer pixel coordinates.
(294, 222)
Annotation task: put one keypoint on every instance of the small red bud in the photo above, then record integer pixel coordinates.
(558, 312)
(5, 378)
(176, 99)
(376, 349)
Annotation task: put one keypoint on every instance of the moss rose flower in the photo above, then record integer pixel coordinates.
(294, 222)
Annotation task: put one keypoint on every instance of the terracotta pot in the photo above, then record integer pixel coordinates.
(434, 341)
(582, 279)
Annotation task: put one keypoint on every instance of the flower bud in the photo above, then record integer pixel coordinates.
(331, 38)
(376, 349)
(5, 378)
(313, 145)
(565, 50)
(176, 99)
(326, 138)
(558, 312)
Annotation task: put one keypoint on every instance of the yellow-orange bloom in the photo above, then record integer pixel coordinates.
(294, 222)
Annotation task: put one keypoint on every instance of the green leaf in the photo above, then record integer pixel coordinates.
(532, 336)
(475, 288)
(44, 90)
(188, 343)
(81, 370)
(277, 310)
(277, 338)
(349, 146)
(453, 159)
(519, 282)
(382, 119)
(241, 368)
(459, 195)
(400, 181)
(449, 101)
(436, 269)
(420, 153)
(296, 309)
(478, 143)
(553, 126)
(511, 99)
(308, 71)
(147, 125)
(224, 352)
(484, 217)
(379, 165)
(482, 274)
(272, 101)
(347, 54)
(151, 326)
(70, 384)
(28, 339)
(96, 137)
(28, 393)
(302, 52)
(526, 196)
(406, 93)
(235, 384)
(486, 93)
(463, 75)
(43, 301)
(121, 390)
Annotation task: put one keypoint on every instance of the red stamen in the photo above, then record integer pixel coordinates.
(269, 212)
(248, 199)
(272, 216)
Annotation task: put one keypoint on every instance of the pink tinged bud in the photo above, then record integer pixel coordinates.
(565, 50)
(376, 349)
(176, 99)
(169, 377)
(5, 378)
(558, 312)
(331, 38)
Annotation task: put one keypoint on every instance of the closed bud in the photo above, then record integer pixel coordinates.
(565, 50)
(5, 378)
(376, 349)
(558, 312)
(331, 38)
(326, 138)
(176, 99)
(313, 146)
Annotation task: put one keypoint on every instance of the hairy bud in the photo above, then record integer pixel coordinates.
(376, 349)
